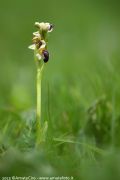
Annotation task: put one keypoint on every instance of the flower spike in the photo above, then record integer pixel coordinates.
(39, 40)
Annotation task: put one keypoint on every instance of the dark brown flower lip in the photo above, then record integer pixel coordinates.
(45, 56)
(39, 44)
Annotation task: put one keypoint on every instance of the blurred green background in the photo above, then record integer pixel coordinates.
(81, 86)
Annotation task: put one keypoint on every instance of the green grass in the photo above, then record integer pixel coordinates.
(80, 90)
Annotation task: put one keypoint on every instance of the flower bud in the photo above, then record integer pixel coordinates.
(37, 24)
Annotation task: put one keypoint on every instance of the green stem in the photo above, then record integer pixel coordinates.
(38, 109)
(39, 95)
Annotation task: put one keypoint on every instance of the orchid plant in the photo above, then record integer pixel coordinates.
(41, 56)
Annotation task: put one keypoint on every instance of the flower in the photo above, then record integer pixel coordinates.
(38, 45)
(44, 26)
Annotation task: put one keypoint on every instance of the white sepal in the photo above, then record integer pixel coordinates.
(32, 47)
(38, 56)
(43, 44)
(36, 34)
